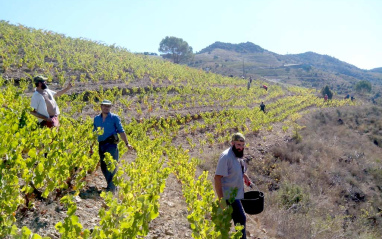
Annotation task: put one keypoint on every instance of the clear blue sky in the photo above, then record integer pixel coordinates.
(350, 30)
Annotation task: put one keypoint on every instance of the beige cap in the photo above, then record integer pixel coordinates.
(238, 137)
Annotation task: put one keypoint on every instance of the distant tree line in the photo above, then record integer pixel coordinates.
(150, 53)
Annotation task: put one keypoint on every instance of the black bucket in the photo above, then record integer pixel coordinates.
(253, 202)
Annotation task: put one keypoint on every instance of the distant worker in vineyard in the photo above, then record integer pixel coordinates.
(108, 141)
(230, 175)
(43, 103)
(249, 82)
(262, 107)
(326, 97)
(265, 87)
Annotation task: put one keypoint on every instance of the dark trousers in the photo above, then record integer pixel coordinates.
(112, 149)
(238, 215)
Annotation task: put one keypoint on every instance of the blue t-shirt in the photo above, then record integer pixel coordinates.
(111, 125)
(230, 167)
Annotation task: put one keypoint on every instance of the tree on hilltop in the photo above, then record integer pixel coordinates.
(176, 49)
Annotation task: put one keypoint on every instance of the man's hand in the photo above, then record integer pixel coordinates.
(129, 146)
(49, 119)
(247, 181)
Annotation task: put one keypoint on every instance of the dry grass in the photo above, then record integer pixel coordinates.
(209, 160)
(328, 185)
(338, 169)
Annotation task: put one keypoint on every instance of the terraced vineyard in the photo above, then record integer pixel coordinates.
(171, 114)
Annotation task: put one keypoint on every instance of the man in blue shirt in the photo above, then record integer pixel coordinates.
(108, 141)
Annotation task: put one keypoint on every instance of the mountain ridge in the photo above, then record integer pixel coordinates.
(309, 69)
(249, 47)
(378, 69)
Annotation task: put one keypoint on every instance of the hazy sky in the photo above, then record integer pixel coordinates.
(350, 30)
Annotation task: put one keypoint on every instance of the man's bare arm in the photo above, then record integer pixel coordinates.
(218, 186)
(61, 92)
(40, 116)
(124, 138)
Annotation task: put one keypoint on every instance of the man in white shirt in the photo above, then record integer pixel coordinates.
(43, 103)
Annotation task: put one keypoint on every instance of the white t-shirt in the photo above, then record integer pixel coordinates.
(229, 167)
(38, 103)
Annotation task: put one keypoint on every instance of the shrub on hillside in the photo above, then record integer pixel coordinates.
(292, 196)
(286, 154)
(363, 86)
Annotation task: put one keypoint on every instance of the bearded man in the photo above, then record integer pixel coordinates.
(44, 104)
(230, 176)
